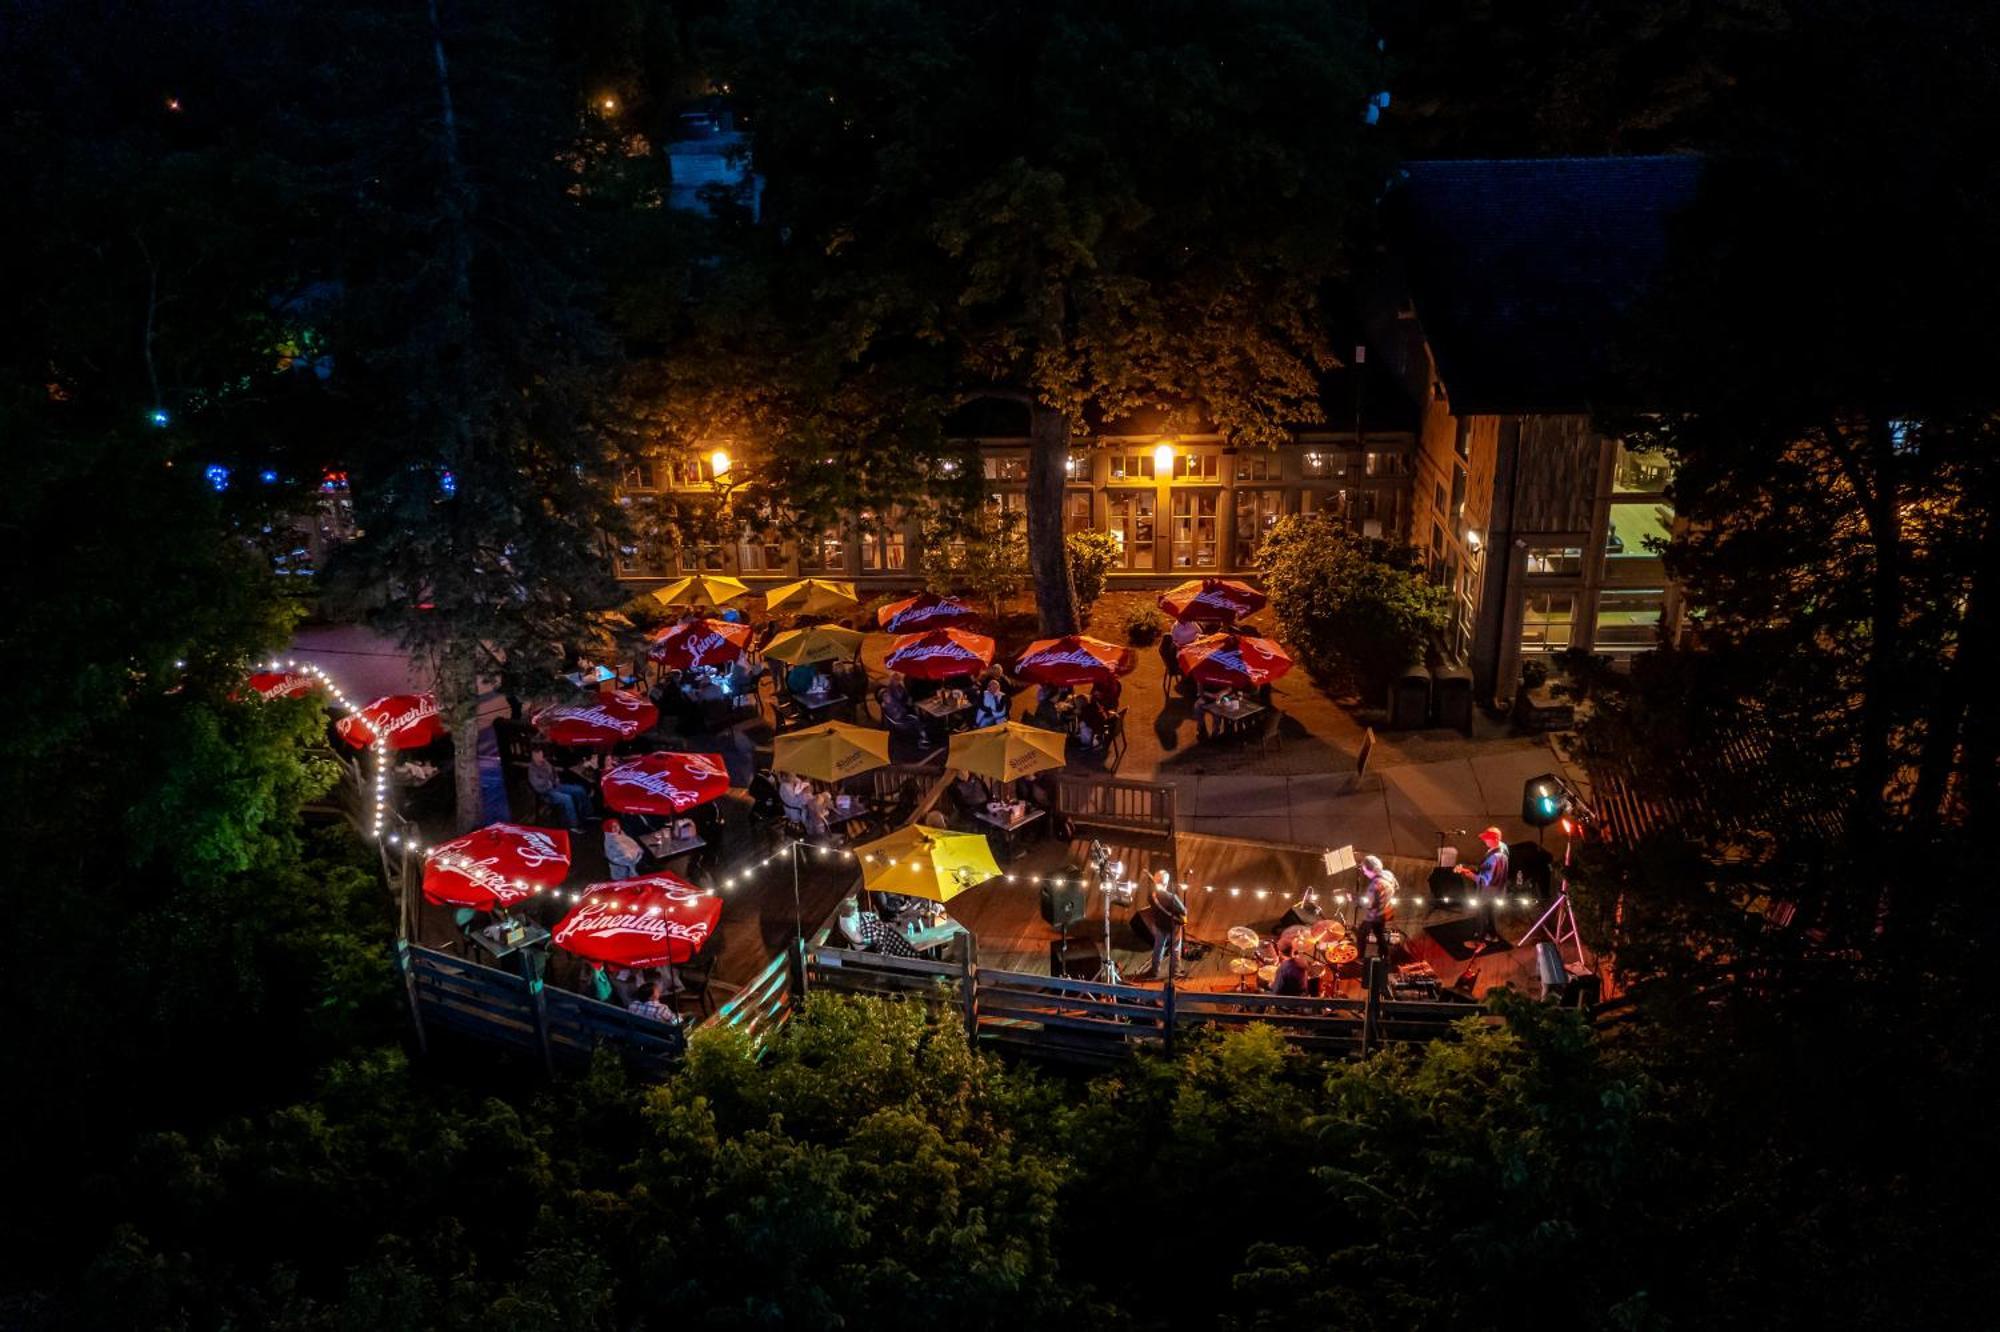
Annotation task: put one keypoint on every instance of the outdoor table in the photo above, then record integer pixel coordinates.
(486, 941)
(663, 847)
(1008, 827)
(930, 938)
(818, 702)
(857, 810)
(1232, 712)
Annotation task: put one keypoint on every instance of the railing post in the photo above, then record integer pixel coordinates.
(539, 1006)
(968, 986)
(797, 953)
(408, 968)
(1168, 1018)
(1371, 1007)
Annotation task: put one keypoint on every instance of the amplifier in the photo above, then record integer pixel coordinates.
(1081, 962)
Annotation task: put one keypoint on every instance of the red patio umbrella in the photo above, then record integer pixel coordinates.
(282, 684)
(654, 920)
(665, 783)
(1220, 599)
(926, 610)
(410, 721)
(496, 866)
(1074, 660)
(703, 642)
(1238, 660)
(940, 654)
(604, 719)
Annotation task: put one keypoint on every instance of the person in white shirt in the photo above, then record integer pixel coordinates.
(620, 851)
(1184, 632)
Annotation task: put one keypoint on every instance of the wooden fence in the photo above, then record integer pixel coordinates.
(1096, 1023)
(521, 1013)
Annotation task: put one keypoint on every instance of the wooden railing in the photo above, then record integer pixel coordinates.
(511, 1010)
(1132, 813)
(1094, 1022)
(762, 1006)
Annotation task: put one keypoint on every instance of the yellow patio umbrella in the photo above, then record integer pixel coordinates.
(700, 590)
(831, 752)
(1007, 751)
(926, 862)
(812, 596)
(821, 642)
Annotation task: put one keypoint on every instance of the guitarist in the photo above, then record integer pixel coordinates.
(1378, 885)
(1491, 881)
(1167, 914)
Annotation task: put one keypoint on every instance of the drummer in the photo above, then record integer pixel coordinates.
(1292, 977)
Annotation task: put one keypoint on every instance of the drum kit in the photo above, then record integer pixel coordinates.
(1323, 945)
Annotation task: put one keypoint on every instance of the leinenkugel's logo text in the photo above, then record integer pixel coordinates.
(601, 921)
(1066, 657)
(389, 724)
(659, 783)
(925, 651)
(596, 716)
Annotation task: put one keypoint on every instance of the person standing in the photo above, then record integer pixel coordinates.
(1491, 881)
(1168, 914)
(1378, 885)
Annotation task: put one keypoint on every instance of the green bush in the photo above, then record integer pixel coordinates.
(1144, 625)
(1092, 556)
(1355, 611)
(981, 554)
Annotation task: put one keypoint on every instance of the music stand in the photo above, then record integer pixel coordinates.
(1559, 921)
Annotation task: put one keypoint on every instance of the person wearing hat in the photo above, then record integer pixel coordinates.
(1491, 881)
(1378, 885)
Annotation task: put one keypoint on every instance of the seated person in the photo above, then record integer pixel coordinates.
(648, 1004)
(763, 792)
(799, 680)
(1093, 724)
(741, 679)
(897, 691)
(1184, 632)
(795, 795)
(968, 794)
(867, 931)
(569, 799)
(1207, 719)
(621, 852)
(1292, 977)
(994, 705)
(1107, 692)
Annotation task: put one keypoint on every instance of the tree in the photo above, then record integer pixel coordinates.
(1092, 555)
(982, 555)
(1149, 222)
(1356, 611)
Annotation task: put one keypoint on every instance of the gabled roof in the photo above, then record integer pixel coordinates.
(1520, 270)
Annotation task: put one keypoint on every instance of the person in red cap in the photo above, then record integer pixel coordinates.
(1491, 880)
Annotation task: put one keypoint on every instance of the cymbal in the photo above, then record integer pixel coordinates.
(1268, 974)
(1243, 937)
(1243, 966)
(1341, 951)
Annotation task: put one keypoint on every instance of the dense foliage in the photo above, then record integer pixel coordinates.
(1355, 611)
(1092, 557)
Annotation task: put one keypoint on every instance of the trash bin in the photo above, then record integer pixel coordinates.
(1451, 697)
(1410, 700)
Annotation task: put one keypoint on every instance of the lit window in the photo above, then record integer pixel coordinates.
(1546, 620)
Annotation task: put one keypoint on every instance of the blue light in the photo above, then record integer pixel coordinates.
(158, 417)
(268, 477)
(218, 476)
(448, 483)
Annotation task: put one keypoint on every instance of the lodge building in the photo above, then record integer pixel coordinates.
(1462, 424)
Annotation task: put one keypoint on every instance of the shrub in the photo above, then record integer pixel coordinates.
(982, 553)
(1092, 556)
(1356, 611)
(1144, 624)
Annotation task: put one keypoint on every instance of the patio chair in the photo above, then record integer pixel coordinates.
(696, 974)
(1114, 739)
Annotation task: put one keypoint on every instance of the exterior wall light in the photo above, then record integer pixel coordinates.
(1163, 460)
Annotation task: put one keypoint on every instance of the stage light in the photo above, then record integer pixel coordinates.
(1543, 800)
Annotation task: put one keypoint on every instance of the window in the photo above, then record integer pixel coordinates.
(760, 552)
(1007, 467)
(1318, 462)
(1077, 514)
(1323, 501)
(1009, 501)
(703, 558)
(691, 472)
(1463, 443)
(884, 545)
(1639, 473)
(1634, 528)
(1546, 619)
(1195, 466)
(826, 553)
(1257, 466)
(643, 559)
(1194, 530)
(1132, 523)
(1628, 619)
(1437, 544)
(1437, 498)
(1567, 560)
(1132, 466)
(641, 476)
(1257, 512)
(1077, 467)
(1457, 493)
(1382, 464)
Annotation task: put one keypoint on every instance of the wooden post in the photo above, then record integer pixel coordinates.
(1371, 1007)
(968, 984)
(408, 968)
(539, 1006)
(797, 952)
(1167, 1019)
